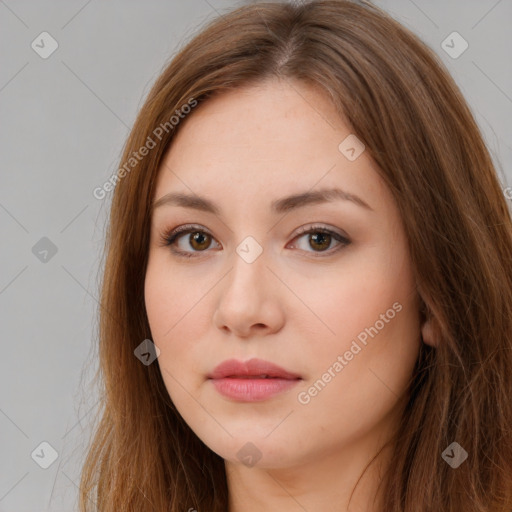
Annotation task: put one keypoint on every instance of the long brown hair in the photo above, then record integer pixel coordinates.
(401, 102)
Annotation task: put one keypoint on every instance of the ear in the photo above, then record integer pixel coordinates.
(427, 334)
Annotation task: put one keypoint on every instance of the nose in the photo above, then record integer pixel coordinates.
(248, 301)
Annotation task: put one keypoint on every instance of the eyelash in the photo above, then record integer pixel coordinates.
(169, 238)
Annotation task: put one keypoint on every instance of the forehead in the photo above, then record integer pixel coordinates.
(264, 116)
(269, 140)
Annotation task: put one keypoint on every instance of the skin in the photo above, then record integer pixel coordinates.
(295, 305)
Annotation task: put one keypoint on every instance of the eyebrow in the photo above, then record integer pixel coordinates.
(278, 206)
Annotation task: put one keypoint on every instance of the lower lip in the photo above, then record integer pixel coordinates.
(252, 390)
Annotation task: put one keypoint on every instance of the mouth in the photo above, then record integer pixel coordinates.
(254, 377)
(253, 380)
(251, 369)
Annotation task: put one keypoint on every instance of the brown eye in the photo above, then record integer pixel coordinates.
(189, 246)
(199, 240)
(320, 241)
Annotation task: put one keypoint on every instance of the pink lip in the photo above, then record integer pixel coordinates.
(242, 380)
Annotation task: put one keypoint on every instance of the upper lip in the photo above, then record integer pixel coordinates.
(252, 367)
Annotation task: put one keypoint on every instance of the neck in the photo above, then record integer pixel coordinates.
(314, 483)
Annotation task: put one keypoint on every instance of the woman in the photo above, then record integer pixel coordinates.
(307, 297)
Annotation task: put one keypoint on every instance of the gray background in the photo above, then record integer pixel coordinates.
(64, 121)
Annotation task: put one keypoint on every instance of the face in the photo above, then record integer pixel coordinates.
(323, 289)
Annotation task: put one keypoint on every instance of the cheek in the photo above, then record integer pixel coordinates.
(355, 294)
(163, 307)
(375, 371)
(160, 300)
(174, 308)
(168, 298)
(164, 310)
(369, 310)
